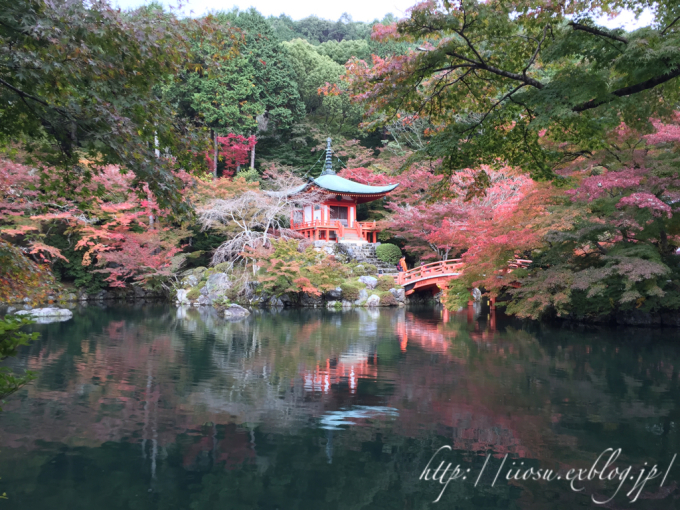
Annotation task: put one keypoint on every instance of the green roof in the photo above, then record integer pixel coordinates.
(337, 184)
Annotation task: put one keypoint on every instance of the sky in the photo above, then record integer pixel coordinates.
(360, 10)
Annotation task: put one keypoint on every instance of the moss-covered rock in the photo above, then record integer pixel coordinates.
(193, 294)
(385, 283)
(387, 299)
(350, 290)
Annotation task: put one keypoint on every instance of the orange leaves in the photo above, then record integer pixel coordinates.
(41, 249)
(305, 285)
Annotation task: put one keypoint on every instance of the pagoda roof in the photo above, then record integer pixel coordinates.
(331, 182)
(337, 184)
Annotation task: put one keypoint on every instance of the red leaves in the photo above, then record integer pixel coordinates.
(234, 151)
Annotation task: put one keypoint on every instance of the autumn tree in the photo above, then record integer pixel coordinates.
(536, 84)
(81, 79)
(254, 214)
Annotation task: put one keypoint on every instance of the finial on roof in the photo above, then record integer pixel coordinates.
(328, 169)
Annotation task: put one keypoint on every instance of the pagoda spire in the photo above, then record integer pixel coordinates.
(328, 169)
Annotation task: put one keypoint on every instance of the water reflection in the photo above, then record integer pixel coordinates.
(158, 407)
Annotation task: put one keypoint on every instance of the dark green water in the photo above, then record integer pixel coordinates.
(154, 408)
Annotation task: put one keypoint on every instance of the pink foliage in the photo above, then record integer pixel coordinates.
(665, 133)
(384, 32)
(126, 241)
(454, 225)
(646, 201)
(609, 183)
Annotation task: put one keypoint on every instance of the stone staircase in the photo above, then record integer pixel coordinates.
(351, 237)
(366, 253)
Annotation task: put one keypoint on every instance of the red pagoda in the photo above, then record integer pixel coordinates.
(334, 218)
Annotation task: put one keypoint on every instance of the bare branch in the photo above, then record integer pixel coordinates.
(627, 91)
(252, 218)
(500, 72)
(538, 48)
(670, 25)
(595, 31)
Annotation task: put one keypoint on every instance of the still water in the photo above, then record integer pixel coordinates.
(151, 407)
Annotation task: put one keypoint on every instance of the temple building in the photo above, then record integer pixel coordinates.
(334, 218)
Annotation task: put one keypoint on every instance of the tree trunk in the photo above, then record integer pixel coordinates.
(252, 158)
(214, 154)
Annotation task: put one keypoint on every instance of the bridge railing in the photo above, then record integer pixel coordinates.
(440, 268)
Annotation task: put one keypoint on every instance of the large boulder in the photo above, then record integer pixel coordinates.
(275, 302)
(369, 281)
(363, 296)
(346, 304)
(181, 297)
(217, 285)
(234, 311)
(335, 293)
(190, 281)
(311, 300)
(47, 315)
(399, 295)
(373, 301)
(331, 304)
(204, 301)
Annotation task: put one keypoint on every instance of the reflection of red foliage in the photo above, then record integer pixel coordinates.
(233, 449)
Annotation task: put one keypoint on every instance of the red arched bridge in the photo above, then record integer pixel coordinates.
(434, 277)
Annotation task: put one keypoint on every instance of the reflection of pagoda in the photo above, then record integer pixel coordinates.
(346, 369)
(334, 218)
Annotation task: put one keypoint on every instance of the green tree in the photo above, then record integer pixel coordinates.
(340, 52)
(79, 80)
(314, 71)
(533, 83)
(257, 82)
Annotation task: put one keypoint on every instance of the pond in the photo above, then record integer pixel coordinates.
(153, 407)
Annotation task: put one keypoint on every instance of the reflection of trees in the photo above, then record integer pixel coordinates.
(237, 403)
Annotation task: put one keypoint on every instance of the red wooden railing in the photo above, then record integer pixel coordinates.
(441, 268)
(367, 225)
(446, 267)
(303, 225)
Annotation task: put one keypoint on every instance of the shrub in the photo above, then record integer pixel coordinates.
(193, 294)
(250, 175)
(388, 300)
(350, 291)
(287, 268)
(385, 283)
(364, 270)
(390, 253)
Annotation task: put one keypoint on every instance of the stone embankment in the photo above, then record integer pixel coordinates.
(210, 287)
